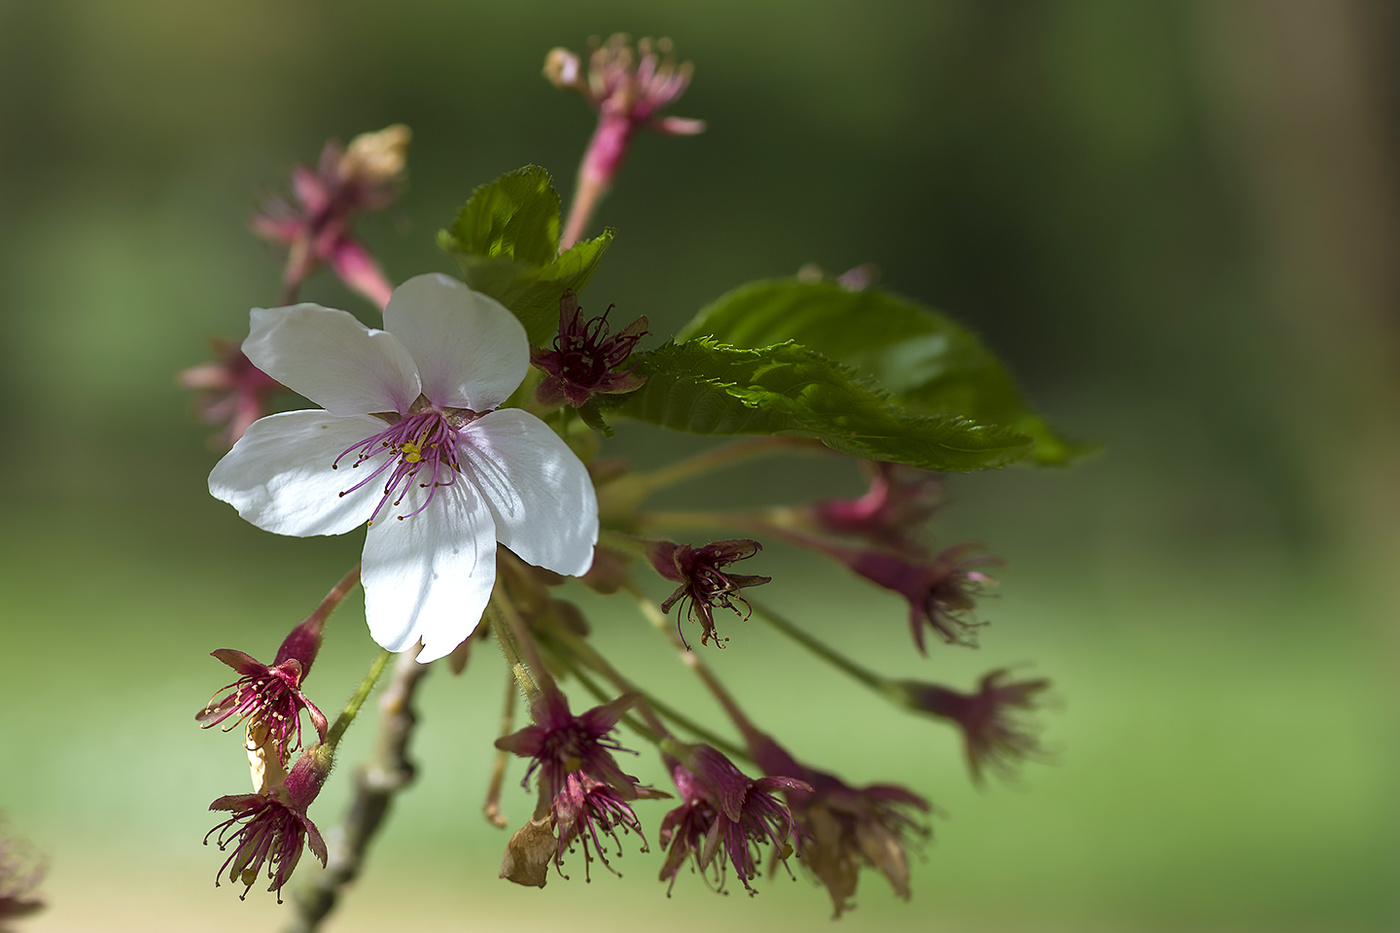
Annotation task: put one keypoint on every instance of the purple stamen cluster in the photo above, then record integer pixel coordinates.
(424, 442)
(844, 827)
(560, 743)
(585, 356)
(628, 89)
(270, 695)
(725, 818)
(584, 811)
(271, 827)
(704, 584)
(580, 783)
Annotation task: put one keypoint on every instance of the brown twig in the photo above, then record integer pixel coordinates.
(387, 771)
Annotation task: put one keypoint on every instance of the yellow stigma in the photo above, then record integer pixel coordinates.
(412, 451)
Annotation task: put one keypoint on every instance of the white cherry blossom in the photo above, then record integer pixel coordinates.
(413, 441)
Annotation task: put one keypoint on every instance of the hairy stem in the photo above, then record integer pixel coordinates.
(387, 771)
(352, 706)
(516, 644)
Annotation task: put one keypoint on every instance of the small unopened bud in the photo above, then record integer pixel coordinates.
(377, 158)
(563, 69)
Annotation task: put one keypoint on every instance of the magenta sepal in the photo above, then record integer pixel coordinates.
(844, 827)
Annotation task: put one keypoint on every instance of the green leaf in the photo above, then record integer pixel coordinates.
(505, 239)
(703, 387)
(927, 362)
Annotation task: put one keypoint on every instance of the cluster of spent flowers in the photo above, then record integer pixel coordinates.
(469, 454)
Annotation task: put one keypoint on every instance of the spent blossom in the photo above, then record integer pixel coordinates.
(580, 784)
(586, 357)
(269, 828)
(724, 817)
(995, 735)
(704, 584)
(316, 225)
(586, 811)
(413, 441)
(942, 591)
(843, 827)
(560, 743)
(232, 391)
(270, 696)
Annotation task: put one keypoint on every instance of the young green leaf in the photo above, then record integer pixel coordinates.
(703, 387)
(926, 361)
(506, 241)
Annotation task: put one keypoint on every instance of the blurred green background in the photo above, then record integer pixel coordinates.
(1177, 220)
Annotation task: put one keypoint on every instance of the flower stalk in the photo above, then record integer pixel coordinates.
(568, 647)
(720, 457)
(386, 772)
(827, 653)
(491, 807)
(357, 699)
(519, 648)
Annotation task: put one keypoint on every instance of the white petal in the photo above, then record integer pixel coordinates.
(332, 359)
(539, 492)
(471, 352)
(279, 474)
(429, 575)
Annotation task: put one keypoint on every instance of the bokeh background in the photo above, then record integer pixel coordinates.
(1177, 220)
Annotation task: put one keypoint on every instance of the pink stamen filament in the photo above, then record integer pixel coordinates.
(414, 443)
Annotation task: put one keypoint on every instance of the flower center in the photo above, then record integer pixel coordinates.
(418, 449)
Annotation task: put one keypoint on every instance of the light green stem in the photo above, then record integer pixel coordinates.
(691, 660)
(352, 708)
(510, 646)
(720, 457)
(821, 649)
(650, 704)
